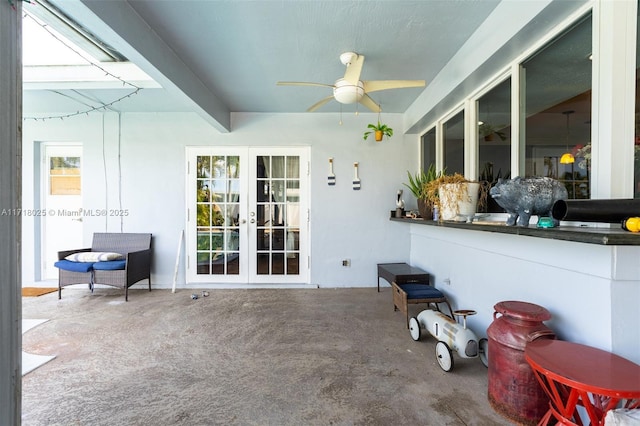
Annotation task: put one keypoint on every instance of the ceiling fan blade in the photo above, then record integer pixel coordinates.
(370, 103)
(374, 86)
(352, 74)
(301, 83)
(320, 103)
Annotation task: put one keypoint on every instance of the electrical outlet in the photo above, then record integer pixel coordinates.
(346, 262)
(447, 281)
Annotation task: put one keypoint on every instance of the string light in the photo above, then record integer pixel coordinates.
(13, 5)
(103, 106)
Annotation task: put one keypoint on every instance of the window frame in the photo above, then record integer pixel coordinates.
(606, 174)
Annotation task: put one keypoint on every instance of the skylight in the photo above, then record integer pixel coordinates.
(42, 46)
(50, 37)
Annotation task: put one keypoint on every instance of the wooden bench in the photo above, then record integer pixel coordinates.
(410, 285)
(401, 273)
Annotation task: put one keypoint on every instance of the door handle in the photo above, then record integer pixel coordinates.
(252, 221)
(243, 221)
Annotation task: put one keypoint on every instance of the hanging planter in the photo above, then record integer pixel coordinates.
(488, 131)
(379, 131)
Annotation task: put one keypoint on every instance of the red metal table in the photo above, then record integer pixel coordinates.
(575, 375)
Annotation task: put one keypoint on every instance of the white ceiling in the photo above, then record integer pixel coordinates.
(221, 56)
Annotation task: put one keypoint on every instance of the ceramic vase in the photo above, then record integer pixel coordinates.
(456, 203)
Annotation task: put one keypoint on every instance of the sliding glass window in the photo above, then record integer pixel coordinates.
(494, 133)
(429, 149)
(453, 141)
(494, 137)
(636, 160)
(558, 109)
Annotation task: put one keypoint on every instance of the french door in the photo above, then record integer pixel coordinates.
(247, 215)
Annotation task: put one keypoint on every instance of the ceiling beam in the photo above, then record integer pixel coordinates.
(118, 24)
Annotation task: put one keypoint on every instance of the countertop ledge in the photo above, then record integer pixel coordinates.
(589, 235)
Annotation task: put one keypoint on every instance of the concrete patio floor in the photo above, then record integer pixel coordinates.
(241, 357)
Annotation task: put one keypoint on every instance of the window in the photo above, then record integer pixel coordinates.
(494, 138)
(64, 176)
(494, 133)
(636, 159)
(558, 109)
(428, 149)
(453, 140)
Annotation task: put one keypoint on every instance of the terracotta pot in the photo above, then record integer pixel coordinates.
(378, 135)
(425, 209)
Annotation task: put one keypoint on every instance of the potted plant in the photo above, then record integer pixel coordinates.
(379, 131)
(487, 131)
(455, 197)
(417, 186)
(487, 180)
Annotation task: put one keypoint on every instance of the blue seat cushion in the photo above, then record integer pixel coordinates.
(68, 265)
(111, 265)
(421, 291)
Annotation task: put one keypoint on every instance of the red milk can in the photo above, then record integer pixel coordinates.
(513, 389)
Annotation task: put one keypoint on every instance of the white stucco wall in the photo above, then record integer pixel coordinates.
(592, 291)
(144, 157)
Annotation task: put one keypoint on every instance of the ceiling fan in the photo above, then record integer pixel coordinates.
(350, 89)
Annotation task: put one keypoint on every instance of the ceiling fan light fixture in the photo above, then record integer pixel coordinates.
(347, 93)
(347, 57)
(350, 89)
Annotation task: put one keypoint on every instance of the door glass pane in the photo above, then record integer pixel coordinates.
(217, 210)
(233, 167)
(204, 167)
(64, 176)
(277, 167)
(293, 167)
(293, 264)
(278, 218)
(262, 268)
(264, 167)
(277, 266)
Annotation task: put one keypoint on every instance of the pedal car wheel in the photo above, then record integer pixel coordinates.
(483, 349)
(414, 328)
(443, 354)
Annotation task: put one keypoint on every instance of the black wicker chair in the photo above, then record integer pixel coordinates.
(137, 266)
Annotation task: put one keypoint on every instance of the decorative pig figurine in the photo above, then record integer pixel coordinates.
(524, 197)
